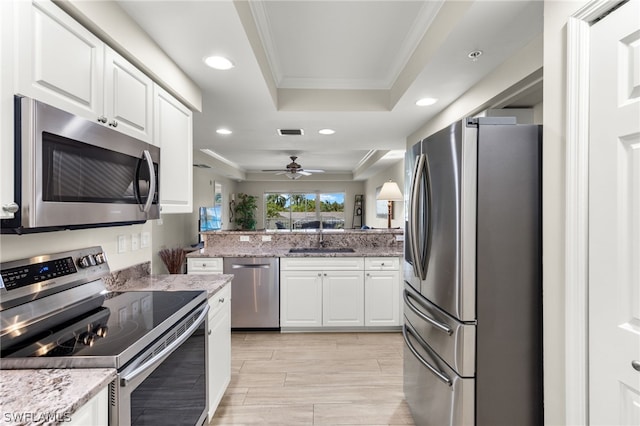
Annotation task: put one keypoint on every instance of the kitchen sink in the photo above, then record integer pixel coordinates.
(321, 250)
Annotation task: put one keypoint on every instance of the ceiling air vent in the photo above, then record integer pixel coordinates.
(290, 132)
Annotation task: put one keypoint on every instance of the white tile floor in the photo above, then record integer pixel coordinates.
(315, 379)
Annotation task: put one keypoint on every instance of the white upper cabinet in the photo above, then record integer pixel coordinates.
(173, 133)
(7, 201)
(59, 61)
(63, 64)
(128, 97)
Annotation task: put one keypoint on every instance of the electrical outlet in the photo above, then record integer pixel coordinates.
(135, 241)
(399, 237)
(244, 238)
(266, 238)
(122, 243)
(144, 240)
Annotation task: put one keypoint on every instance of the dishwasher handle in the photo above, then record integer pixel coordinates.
(250, 266)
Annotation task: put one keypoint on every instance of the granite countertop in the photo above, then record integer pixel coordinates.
(211, 283)
(48, 396)
(284, 252)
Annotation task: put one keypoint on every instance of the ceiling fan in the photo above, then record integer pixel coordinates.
(294, 170)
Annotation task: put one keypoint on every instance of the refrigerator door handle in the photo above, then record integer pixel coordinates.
(437, 324)
(413, 222)
(406, 330)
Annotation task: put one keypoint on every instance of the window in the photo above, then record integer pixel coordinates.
(299, 211)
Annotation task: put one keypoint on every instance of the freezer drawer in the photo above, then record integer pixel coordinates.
(436, 395)
(454, 341)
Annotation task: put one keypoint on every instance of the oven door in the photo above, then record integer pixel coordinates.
(166, 384)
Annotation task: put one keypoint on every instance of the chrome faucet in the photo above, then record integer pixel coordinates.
(320, 236)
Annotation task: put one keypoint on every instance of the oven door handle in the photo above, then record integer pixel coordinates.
(124, 381)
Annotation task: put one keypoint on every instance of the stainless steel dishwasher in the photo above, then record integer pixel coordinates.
(256, 292)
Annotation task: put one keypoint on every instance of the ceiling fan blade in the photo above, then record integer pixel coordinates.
(313, 171)
(304, 172)
(275, 170)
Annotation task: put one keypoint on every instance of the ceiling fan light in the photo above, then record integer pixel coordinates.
(326, 131)
(219, 63)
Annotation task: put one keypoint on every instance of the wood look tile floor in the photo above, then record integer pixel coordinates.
(315, 379)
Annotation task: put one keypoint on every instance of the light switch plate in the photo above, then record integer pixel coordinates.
(135, 241)
(144, 240)
(122, 243)
(244, 238)
(266, 238)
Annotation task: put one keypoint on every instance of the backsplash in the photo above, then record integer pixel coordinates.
(378, 238)
(118, 278)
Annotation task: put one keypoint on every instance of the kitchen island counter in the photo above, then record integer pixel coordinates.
(48, 396)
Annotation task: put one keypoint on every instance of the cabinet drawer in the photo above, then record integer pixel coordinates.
(382, 263)
(219, 300)
(322, 263)
(204, 265)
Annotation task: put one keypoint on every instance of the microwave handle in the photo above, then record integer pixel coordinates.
(152, 180)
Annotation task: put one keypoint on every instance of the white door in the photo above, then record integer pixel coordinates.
(614, 219)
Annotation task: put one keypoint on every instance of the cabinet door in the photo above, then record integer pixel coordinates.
(300, 299)
(59, 62)
(128, 97)
(382, 298)
(219, 350)
(93, 413)
(6, 110)
(343, 298)
(173, 132)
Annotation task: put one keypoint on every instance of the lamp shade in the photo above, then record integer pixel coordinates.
(390, 192)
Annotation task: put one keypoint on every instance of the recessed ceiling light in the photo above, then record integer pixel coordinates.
(426, 101)
(326, 131)
(219, 62)
(223, 131)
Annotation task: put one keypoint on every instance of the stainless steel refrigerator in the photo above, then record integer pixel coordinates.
(473, 275)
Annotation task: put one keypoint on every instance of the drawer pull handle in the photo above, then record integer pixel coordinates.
(635, 365)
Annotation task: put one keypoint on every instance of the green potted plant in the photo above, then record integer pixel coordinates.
(245, 212)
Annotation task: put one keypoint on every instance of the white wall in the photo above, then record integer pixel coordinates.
(13, 247)
(395, 172)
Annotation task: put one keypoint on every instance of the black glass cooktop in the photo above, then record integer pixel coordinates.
(125, 323)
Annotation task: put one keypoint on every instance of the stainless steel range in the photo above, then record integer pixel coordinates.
(56, 313)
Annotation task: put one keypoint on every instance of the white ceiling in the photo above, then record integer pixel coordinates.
(354, 66)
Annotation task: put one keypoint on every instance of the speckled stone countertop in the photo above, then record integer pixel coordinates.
(211, 283)
(51, 396)
(379, 242)
(284, 252)
(48, 396)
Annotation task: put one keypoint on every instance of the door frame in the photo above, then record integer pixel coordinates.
(577, 209)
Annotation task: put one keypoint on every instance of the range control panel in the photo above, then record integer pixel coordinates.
(38, 276)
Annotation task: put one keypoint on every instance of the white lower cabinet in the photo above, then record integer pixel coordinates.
(94, 413)
(219, 347)
(382, 291)
(300, 298)
(343, 298)
(339, 292)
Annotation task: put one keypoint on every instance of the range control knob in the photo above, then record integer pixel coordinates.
(101, 258)
(101, 331)
(88, 338)
(86, 261)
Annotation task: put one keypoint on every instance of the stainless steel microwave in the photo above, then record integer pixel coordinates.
(73, 173)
